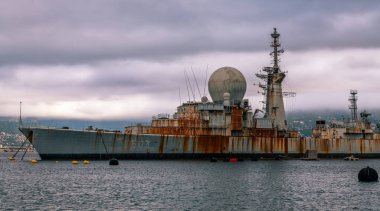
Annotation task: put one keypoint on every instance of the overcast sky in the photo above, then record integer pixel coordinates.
(114, 59)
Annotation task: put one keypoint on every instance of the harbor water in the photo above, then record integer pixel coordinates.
(187, 185)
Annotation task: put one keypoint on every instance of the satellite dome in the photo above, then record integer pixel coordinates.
(227, 80)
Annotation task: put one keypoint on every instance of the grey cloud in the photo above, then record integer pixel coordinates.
(59, 51)
(61, 32)
(103, 80)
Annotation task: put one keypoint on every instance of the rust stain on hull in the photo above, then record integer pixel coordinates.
(286, 146)
(185, 144)
(210, 144)
(162, 145)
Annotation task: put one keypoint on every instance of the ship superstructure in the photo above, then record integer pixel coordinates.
(353, 128)
(228, 114)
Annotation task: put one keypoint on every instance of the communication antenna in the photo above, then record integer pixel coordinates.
(289, 94)
(196, 82)
(191, 87)
(187, 85)
(179, 95)
(204, 88)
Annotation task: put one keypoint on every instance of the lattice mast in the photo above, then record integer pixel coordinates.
(272, 89)
(353, 105)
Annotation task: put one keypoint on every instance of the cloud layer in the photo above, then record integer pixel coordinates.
(126, 59)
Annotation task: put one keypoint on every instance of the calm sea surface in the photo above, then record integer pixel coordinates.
(187, 185)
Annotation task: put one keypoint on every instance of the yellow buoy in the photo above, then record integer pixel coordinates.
(86, 162)
(74, 162)
(11, 158)
(34, 161)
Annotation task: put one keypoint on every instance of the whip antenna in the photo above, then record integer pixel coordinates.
(191, 87)
(204, 88)
(187, 85)
(196, 82)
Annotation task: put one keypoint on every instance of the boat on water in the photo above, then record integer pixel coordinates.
(222, 128)
(351, 158)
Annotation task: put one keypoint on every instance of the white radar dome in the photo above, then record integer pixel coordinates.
(227, 80)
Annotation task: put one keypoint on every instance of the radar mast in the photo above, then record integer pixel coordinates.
(272, 89)
(275, 44)
(353, 105)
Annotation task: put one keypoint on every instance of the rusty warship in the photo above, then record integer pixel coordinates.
(227, 126)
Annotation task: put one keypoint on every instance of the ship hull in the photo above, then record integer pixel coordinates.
(91, 144)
